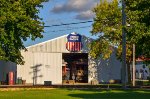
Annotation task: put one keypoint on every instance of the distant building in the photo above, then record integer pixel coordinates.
(141, 70)
(5, 68)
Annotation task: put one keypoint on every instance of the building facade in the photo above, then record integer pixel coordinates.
(51, 61)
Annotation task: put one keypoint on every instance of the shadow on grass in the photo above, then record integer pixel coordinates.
(112, 94)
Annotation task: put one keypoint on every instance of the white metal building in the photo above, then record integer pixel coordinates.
(50, 60)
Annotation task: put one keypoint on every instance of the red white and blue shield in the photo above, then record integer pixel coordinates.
(74, 42)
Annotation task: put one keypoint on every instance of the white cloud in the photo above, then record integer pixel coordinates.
(78, 6)
(85, 15)
(74, 6)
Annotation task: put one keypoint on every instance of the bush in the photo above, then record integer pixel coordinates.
(142, 83)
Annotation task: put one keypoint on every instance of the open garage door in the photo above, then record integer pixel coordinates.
(75, 67)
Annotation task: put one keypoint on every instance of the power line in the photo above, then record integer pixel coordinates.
(68, 29)
(68, 23)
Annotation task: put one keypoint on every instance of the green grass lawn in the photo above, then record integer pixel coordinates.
(74, 94)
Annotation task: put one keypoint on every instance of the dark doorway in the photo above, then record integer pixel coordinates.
(75, 67)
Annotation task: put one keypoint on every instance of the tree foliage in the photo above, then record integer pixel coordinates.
(108, 25)
(138, 16)
(18, 20)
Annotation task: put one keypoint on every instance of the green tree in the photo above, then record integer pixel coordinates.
(108, 26)
(19, 20)
(138, 16)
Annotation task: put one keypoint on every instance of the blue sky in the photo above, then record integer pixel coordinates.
(57, 12)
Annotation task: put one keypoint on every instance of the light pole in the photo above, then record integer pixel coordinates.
(123, 45)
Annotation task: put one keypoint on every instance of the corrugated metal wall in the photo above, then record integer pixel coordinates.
(41, 66)
(24, 71)
(49, 67)
(49, 56)
(54, 46)
(109, 69)
(57, 45)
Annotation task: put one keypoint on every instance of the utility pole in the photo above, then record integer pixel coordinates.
(133, 68)
(123, 45)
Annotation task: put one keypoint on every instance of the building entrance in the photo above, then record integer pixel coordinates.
(75, 67)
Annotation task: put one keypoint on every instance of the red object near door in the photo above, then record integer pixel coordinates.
(11, 78)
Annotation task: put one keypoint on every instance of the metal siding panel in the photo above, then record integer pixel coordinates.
(29, 63)
(63, 44)
(45, 47)
(50, 46)
(24, 70)
(40, 74)
(38, 58)
(38, 48)
(30, 49)
(33, 49)
(50, 73)
(55, 68)
(59, 68)
(42, 48)
(57, 45)
(109, 69)
(55, 41)
(53, 46)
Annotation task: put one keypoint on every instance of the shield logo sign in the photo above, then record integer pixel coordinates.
(74, 42)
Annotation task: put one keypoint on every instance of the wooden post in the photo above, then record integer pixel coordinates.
(133, 71)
